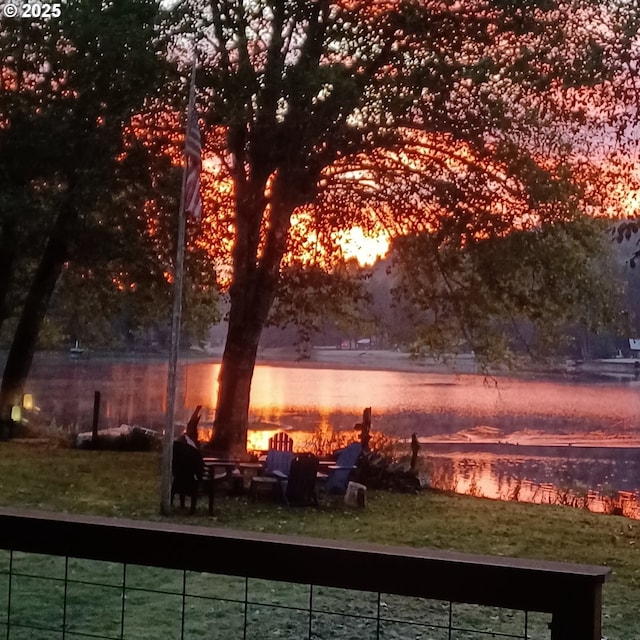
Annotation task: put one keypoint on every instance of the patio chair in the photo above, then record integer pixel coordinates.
(278, 463)
(281, 442)
(188, 469)
(276, 468)
(339, 474)
(192, 476)
(299, 489)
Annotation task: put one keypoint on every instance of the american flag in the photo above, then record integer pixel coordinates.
(192, 152)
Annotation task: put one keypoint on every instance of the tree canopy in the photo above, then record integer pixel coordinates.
(474, 136)
(75, 180)
(458, 123)
(509, 295)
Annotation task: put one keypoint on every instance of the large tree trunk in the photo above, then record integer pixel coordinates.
(8, 254)
(236, 373)
(247, 316)
(252, 295)
(34, 310)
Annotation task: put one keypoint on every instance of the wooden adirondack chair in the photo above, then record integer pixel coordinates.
(281, 442)
(276, 468)
(340, 473)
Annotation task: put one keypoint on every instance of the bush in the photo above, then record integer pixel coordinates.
(377, 471)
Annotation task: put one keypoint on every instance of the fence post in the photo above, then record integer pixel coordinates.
(580, 616)
(96, 415)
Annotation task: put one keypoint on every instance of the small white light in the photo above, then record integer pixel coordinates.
(27, 401)
(16, 413)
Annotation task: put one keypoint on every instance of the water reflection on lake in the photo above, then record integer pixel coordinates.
(598, 479)
(440, 407)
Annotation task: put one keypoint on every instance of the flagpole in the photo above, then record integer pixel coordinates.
(167, 448)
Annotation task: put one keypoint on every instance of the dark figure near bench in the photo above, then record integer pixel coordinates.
(188, 470)
(365, 428)
(415, 447)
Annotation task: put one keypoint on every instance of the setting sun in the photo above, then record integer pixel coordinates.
(365, 249)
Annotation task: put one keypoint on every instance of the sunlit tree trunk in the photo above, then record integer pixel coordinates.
(256, 275)
(236, 373)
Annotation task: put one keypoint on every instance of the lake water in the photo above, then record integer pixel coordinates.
(570, 441)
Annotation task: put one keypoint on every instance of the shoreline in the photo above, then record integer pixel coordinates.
(374, 360)
(389, 360)
(454, 365)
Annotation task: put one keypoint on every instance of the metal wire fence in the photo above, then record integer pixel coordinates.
(144, 581)
(61, 597)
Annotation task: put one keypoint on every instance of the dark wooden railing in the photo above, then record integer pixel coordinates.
(571, 593)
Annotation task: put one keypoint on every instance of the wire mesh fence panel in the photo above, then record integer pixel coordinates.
(327, 626)
(272, 592)
(538, 626)
(35, 595)
(46, 595)
(432, 613)
(151, 614)
(408, 631)
(30, 634)
(4, 591)
(93, 609)
(154, 578)
(264, 621)
(213, 618)
(216, 586)
(42, 565)
(473, 621)
(37, 603)
(96, 572)
(345, 601)
(124, 595)
(5, 560)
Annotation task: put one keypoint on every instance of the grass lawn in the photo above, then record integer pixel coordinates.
(127, 485)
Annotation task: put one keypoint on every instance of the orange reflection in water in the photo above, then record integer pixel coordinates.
(477, 477)
(282, 390)
(275, 389)
(299, 398)
(430, 403)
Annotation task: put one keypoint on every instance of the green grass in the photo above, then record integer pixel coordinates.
(127, 485)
